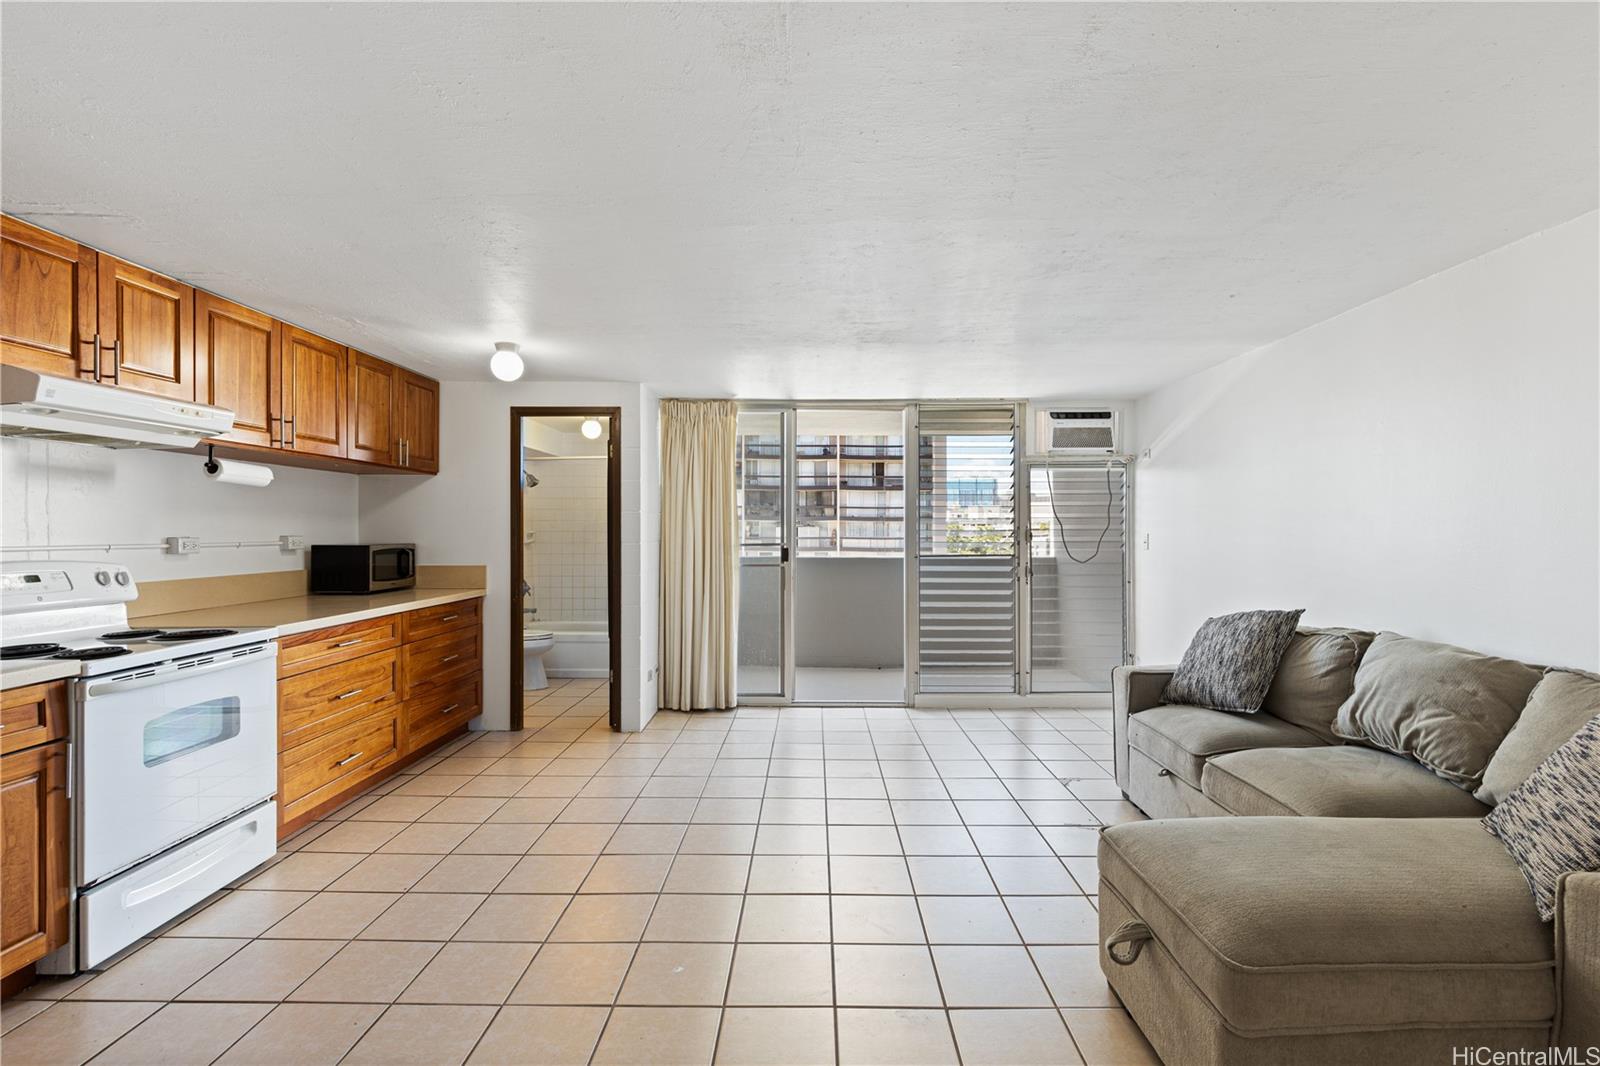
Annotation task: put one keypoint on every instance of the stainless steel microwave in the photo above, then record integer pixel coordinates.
(356, 569)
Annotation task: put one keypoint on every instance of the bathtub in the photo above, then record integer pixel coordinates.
(582, 649)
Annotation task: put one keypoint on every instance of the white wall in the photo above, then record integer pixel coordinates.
(1427, 463)
(462, 515)
(79, 494)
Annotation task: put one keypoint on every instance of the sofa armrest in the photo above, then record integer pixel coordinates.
(1578, 960)
(1133, 689)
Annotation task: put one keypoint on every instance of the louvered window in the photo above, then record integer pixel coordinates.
(967, 549)
(1077, 623)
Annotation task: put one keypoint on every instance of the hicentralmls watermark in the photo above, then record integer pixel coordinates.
(1551, 1056)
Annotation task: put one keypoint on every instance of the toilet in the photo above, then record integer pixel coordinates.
(535, 643)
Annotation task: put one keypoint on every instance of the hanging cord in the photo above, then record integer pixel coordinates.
(1061, 527)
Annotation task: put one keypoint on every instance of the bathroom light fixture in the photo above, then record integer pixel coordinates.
(590, 428)
(506, 362)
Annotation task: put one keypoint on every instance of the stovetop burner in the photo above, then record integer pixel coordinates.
(131, 634)
(173, 636)
(28, 651)
(91, 653)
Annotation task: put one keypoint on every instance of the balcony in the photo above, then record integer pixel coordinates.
(873, 451)
(872, 481)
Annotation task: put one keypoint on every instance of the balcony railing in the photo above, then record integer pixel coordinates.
(872, 451)
(869, 481)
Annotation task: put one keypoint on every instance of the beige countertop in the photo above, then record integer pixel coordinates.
(36, 672)
(301, 614)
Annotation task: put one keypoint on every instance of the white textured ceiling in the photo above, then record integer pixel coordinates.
(817, 201)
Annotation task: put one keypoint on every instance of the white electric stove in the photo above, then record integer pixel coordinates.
(174, 748)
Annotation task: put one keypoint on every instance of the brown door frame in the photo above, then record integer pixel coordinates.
(613, 417)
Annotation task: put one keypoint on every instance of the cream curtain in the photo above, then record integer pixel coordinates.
(699, 554)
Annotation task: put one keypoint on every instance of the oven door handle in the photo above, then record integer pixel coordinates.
(161, 677)
(200, 865)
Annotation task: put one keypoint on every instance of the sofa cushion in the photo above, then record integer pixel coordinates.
(1313, 924)
(1551, 822)
(1561, 704)
(1181, 738)
(1445, 707)
(1229, 664)
(1315, 676)
(1334, 782)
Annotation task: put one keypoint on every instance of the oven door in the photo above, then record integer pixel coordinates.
(167, 752)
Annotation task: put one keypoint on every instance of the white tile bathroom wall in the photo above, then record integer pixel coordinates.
(565, 557)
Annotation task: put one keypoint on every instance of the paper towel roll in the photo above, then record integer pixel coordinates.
(232, 472)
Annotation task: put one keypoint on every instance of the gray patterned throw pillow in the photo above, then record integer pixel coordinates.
(1230, 663)
(1551, 822)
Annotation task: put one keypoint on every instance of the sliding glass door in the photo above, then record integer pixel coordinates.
(764, 468)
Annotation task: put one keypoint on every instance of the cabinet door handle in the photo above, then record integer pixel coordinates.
(116, 361)
(349, 643)
(97, 357)
(450, 708)
(352, 692)
(274, 439)
(288, 435)
(348, 759)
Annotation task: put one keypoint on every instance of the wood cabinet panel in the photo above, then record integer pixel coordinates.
(47, 301)
(308, 703)
(315, 420)
(33, 715)
(323, 647)
(445, 618)
(434, 663)
(419, 422)
(33, 854)
(146, 330)
(373, 388)
(444, 711)
(340, 761)
(236, 365)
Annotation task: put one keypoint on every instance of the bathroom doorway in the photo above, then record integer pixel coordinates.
(566, 564)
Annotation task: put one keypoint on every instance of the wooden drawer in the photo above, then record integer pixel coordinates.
(312, 703)
(447, 617)
(35, 714)
(337, 644)
(438, 661)
(443, 711)
(338, 761)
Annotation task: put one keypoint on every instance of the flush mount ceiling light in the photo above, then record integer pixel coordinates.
(590, 428)
(506, 362)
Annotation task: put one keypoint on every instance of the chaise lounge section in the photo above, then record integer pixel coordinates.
(1303, 900)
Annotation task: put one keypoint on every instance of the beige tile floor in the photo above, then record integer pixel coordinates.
(761, 886)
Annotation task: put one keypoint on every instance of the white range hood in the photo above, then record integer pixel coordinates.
(81, 412)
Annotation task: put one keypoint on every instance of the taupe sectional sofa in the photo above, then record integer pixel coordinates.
(1378, 924)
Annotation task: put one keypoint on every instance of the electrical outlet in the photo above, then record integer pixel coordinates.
(182, 545)
(291, 542)
(1147, 542)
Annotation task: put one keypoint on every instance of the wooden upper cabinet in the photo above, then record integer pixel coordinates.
(373, 403)
(419, 422)
(236, 366)
(146, 330)
(47, 301)
(35, 878)
(314, 416)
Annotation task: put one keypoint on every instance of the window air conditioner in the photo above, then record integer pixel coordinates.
(1075, 431)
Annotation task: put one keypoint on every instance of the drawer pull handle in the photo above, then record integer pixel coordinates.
(450, 618)
(447, 710)
(349, 759)
(352, 692)
(348, 643)
(449, 658)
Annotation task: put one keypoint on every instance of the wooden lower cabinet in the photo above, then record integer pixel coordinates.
(35, 875)
(356, 702)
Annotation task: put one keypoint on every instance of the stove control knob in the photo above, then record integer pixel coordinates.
(102, 577)
(122, 578)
